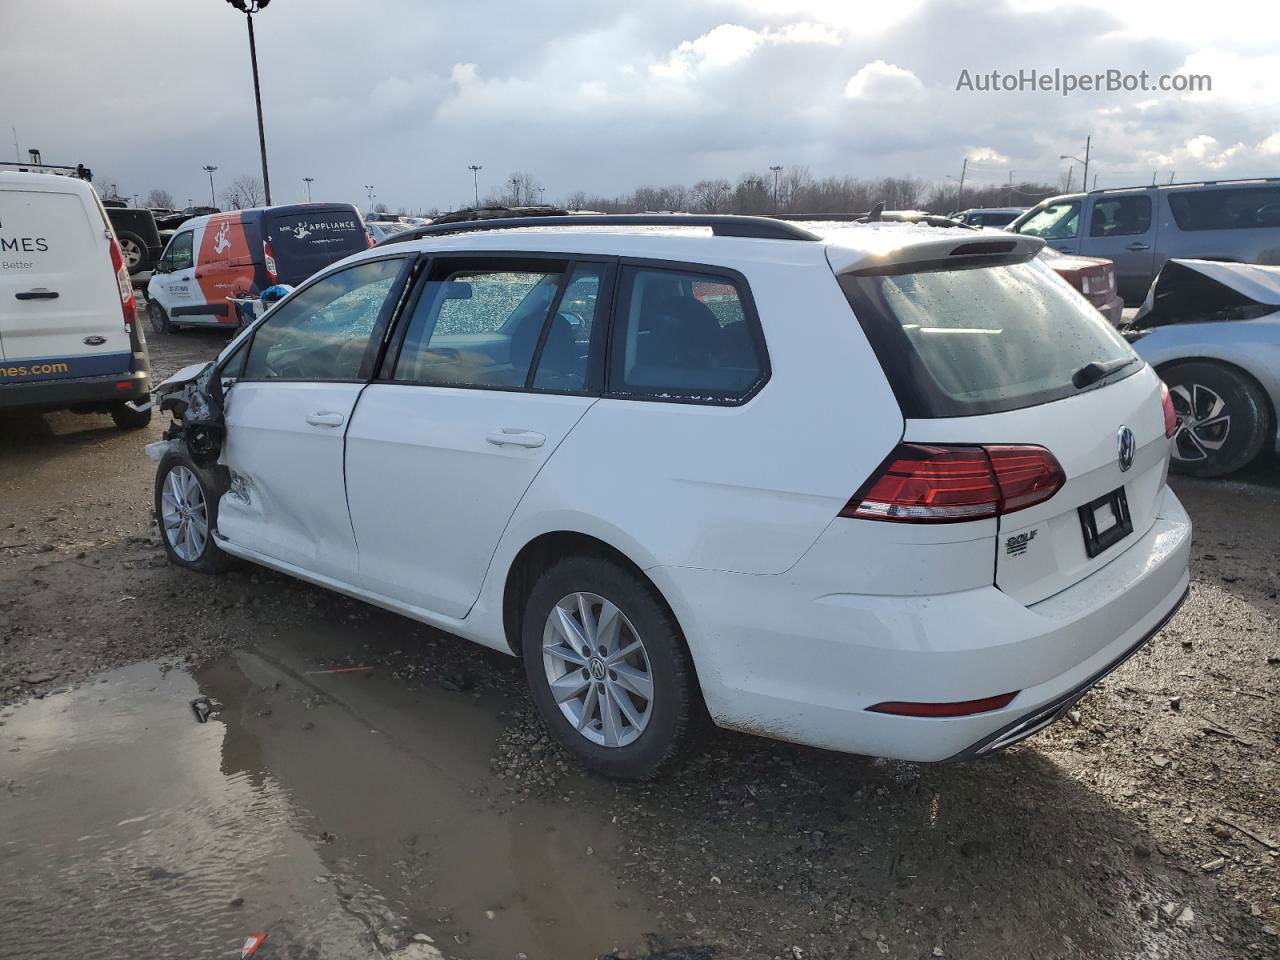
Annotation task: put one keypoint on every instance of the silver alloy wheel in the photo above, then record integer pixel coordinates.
(184, 514)
(1203, 422)
(156, 313)
(132, 253)
(597, 669)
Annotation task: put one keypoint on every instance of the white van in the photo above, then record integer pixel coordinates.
(69, 339)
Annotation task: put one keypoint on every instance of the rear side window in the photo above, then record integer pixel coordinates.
(1058, 221)
(964, 342)
(1228, 209)
(685, 336)
(1120, 216)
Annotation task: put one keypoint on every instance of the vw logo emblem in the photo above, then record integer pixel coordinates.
(597, 668)
(1126, 446)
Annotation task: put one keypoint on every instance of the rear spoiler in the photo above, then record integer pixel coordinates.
(895, 251)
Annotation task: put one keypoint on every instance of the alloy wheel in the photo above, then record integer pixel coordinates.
(598, 669)
(1204, 423)
(132, 253)
(184, 513)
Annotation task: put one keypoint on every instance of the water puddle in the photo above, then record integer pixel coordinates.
(340, 813)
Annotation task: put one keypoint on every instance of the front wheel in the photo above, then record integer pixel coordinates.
(608, 668)
(186, 503)
(1222, 418)
(159, 318)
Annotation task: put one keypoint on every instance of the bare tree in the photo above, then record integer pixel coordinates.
(379, 207)
(710, 196)
(244, 192)
(160, 198)
(524, 189)
(753, 194)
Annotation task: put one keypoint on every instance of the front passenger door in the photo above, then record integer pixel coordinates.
(286, 418)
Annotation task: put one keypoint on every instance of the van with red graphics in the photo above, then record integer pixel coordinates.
(216, 259)
(68, 337)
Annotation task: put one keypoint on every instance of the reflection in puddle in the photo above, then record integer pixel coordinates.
(339, 813)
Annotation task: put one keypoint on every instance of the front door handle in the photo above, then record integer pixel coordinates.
(324, 419)
(1138, 246)
(516, 438)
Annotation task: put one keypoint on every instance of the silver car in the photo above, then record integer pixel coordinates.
(1140, 228)
(1212, 332)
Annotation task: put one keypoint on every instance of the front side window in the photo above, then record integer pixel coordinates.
(178, 256)
(1120, 216)
(1227, 209)
(324, 332)
(685, 336)
(1057, 221)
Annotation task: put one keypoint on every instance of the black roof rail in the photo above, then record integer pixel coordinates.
(722, 225)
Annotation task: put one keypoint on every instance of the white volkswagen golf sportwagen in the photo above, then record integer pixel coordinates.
(889, 488)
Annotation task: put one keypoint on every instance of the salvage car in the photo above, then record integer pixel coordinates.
(615, 453)
(1139, 228)
(1094, 277)
(1212, 331)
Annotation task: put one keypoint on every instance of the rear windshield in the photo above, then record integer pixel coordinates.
(964, 342)
(307, 240)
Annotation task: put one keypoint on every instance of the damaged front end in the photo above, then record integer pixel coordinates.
(1206, 291)
(194, 396)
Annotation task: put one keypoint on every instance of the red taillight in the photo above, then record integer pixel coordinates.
(128, 304)
(269, 258)
(1170, 415)
(958, 708)
(946, 484)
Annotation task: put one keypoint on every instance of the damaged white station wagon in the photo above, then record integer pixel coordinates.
(894, 489)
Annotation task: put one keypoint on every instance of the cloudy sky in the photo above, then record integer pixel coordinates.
(605, 96)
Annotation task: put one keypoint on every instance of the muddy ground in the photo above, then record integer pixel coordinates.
(345, 813)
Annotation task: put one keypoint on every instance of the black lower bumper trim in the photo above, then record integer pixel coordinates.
(1047, 714)
(47, 395)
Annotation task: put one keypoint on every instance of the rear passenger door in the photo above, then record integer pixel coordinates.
(1122, 229)
(497, 361)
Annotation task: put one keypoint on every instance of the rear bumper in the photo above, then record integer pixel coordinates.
(1112, 309)
(779, 658)
(46, 395)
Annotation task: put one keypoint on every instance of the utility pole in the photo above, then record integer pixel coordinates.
(475, 169)
(368, 189)
(1008, 197)
(308, 181)
(960, 192)
(1171, 176)
(209, 168)
(1088, 142)
(776, 170)
(1070, 170)
(1095, 181)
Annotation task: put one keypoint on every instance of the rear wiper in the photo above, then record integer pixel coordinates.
(1095, 370)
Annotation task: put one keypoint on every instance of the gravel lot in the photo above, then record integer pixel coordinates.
(1146, 826)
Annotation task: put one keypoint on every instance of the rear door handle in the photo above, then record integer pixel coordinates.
(516, 438)
(1138, 246)
(325, 419)
(38, 294)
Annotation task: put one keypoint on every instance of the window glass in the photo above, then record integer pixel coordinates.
(1058, 221)
(477, 327)
(1120, 216)
(684, 336)
(178, 255)
(1235, 209)
(562, 365)
(324, 331)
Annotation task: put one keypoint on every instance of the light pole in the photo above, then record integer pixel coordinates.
(308, 181)
(515, 191)
(1066, 156)
(541, 194)
(776, 170)
(209, 168)
(249, 8)
(368, 189)
(475, 169)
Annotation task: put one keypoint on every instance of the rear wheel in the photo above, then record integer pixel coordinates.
(127, 418)
(1222, 418)
(186, 504)
(134, 252)
(608, 668)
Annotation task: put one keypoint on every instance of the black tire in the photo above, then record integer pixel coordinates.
(676, 708)
(127, 418)
(134, 251)
(213, 484)
(160, 322)
(1223, 418)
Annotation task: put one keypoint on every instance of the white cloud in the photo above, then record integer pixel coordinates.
(986, 155)
(730, 43)
(884, 82)
(1270, 146)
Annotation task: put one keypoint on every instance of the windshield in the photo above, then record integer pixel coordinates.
(1057, 221)
(982, 340)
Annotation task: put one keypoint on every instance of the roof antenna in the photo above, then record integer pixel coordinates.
(877, 208)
